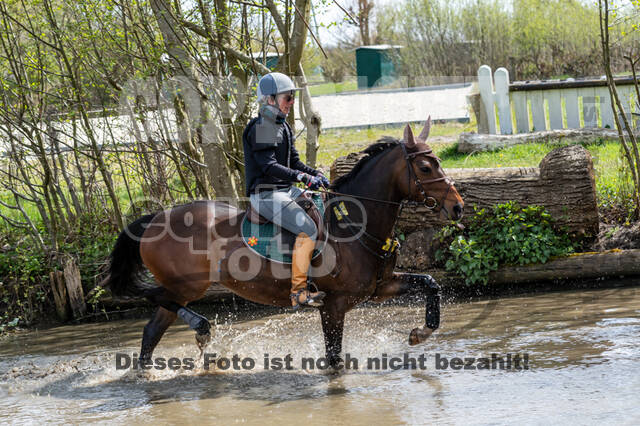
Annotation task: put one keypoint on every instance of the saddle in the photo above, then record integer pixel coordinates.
(308, 205)
(275, 243)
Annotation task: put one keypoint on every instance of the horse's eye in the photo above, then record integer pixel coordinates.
(425, 169)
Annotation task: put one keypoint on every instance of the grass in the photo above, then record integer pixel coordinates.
(336, 143)
(333, 88)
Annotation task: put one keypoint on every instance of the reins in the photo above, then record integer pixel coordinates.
(391, 244)
(326, 191)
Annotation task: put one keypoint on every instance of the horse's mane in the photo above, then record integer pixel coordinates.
(383, 144)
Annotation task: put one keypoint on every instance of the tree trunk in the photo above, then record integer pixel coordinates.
(311, 118)
(364, 11)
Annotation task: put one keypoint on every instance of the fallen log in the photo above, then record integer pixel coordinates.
(608, 264)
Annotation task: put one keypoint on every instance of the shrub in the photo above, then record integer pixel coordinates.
(25, 291)
(339, 64)
(506, 234)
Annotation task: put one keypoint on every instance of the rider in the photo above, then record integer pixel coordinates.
(272, 166)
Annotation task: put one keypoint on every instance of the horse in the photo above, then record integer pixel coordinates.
(188, 247)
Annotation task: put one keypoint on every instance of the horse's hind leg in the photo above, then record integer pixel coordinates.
(154, 330)
(195, 321)
(422, 284)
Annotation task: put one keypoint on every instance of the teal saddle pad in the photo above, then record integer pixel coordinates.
(271, 241)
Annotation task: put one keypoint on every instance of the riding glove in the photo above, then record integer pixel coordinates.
(325, 181)
(311, 182)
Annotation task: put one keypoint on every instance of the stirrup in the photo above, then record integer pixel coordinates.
(311, 301)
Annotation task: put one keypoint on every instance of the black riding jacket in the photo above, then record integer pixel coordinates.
(271, 160)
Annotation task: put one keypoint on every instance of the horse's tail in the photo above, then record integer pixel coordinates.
(125, 261)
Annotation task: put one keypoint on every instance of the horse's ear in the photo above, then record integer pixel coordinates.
(424, 134)
(408, 137)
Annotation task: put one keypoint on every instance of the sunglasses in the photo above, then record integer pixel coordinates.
(289, 97)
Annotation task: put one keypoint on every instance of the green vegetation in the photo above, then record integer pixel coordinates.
(333, 88)
(506, 234)
(532, 38)
(25, 293)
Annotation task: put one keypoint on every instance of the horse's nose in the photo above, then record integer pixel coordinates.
(458, 210)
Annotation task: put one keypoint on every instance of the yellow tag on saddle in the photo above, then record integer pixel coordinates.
(390, 245)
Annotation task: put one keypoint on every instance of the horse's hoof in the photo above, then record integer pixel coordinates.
(337, 363)
(336, 366)
(203, 340)
(419, 335)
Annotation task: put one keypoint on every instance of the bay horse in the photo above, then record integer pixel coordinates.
(189, 247)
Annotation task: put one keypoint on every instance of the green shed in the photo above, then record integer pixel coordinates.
(271, 59)
(374, 64)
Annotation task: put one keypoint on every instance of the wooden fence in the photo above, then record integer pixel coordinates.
(550, 104)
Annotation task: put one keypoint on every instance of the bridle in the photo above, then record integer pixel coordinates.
(427, 201)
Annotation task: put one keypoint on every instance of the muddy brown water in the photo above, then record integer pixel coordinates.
(582, 349)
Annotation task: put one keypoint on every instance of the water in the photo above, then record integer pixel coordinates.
(582, 348)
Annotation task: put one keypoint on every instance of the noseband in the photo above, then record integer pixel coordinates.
(427, 201)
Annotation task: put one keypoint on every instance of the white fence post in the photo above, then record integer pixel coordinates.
(606, 110)
(537, 110)
(589, 111)
(625, 96)
(502, 100)
(555, 109)
(571, 106)
(522, 112)
(485, 84)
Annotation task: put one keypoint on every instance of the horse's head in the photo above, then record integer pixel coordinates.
(424, 179)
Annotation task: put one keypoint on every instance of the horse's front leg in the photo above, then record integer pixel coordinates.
(332, 315)
(422, 284)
